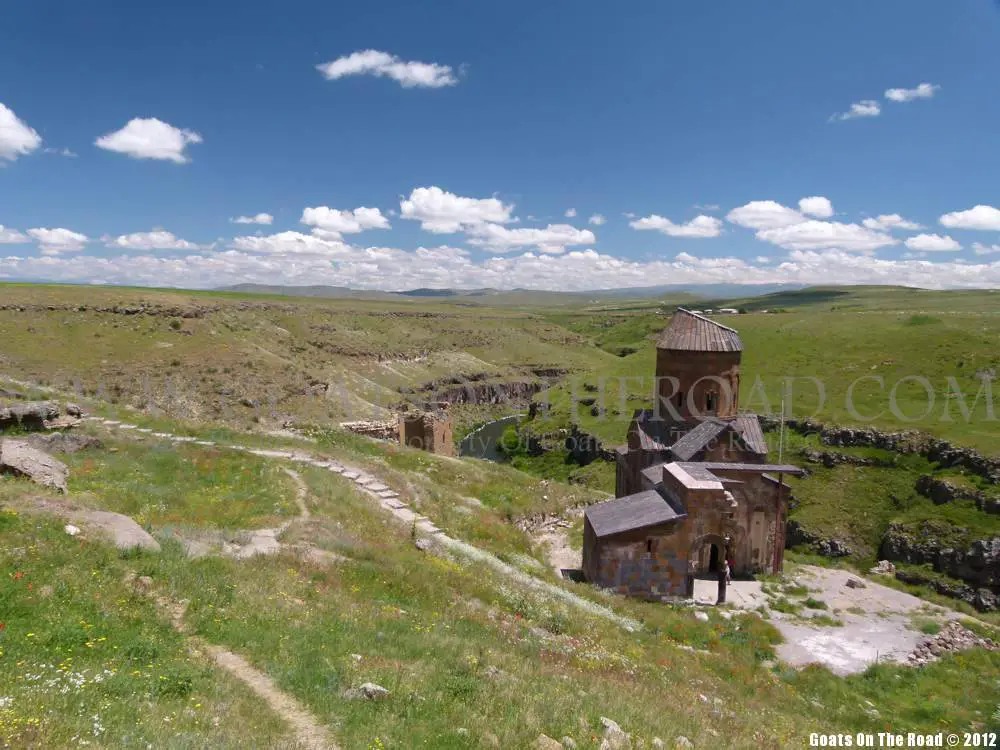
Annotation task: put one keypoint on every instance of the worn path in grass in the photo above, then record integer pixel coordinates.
(389, 500)
(309, 733)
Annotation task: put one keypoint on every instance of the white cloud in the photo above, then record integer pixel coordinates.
(553, 239)
(699, 227)
(923, 91)
(375, 63)
(570, 213)
(864, 108)
(60, 152)
(158, 239)
(762, 259)
(16, 138)
(10, 236)
(707, 206)
(442, 212)
(331, 223)
(291, 243)
(979, 217)
(393, 269)
(261, 218)
(150, 138)
(981, 249)
(885, 222)
(56, 241)
(826, 235)
(817, 206)
(597, 220)
(764, 215)
(932, 243)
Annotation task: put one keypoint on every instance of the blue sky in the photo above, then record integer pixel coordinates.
(132, 137)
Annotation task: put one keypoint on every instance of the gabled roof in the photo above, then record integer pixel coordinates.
(697, 438)
(630, 513)
(692, 332)
(657, 434)
(748, 426)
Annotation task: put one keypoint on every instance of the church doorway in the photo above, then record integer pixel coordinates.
(714, 559)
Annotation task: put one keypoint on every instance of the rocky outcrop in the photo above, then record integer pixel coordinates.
(516, 392)
(19, 458)
(941, 491)
(62, 442)
(829, 459)
(910, 441)
(975, 563)
(982, 599)
(953, 637)
(797, 536)
(31, 415)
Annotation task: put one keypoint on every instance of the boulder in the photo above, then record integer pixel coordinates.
(62, 442)
(31, 415)
(18, 457)
(544, 742)
(855, 583)
(123, 531)
(368, 691)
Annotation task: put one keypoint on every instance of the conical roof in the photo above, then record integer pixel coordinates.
(692, 332)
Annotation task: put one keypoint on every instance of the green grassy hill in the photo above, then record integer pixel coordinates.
(470, 658)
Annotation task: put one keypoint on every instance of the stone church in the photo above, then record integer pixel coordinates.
(693, 478)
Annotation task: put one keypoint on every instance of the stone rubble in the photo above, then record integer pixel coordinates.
(953, 637)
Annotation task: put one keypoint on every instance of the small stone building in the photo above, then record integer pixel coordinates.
(692, 474)
(429, 431)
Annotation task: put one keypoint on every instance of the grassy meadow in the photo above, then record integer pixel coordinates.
(470, 658)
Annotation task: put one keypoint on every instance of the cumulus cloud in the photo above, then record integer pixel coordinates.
(764, 215)
(291, 243)
(826, 235)
(381, 64)
(597, 220)
(699, 227)
(393, 269)
(932, 243)
(158, 239)
(10, 236)
(149, 138)
(980, 249)
(332, 223)
(817, 206)
(885, 222)
(261, 218)
(16, 137)
(553, 239)
(441, 212)
(570, 213)
(56, 241)
(864, 108)
(978, 217)
(922, 91)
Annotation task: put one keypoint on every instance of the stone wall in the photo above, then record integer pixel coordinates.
(642, 564)
(691, 369)
(429, 431)
(384, 430)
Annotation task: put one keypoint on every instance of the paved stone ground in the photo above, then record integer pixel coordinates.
(880, 629)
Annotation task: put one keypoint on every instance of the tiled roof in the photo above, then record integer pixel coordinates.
(748, 426)
(648, 508)
(695, 439)
(690, 331)
(757, 468)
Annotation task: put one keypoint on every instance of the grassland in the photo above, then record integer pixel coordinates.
(470, 658)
